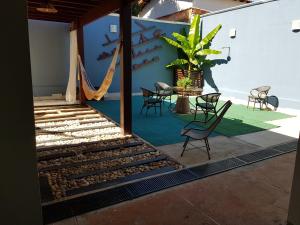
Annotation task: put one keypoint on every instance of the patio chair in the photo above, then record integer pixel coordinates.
(151, 100)
(259, 95)
(208, 104)
(203, 133)
(164, 91)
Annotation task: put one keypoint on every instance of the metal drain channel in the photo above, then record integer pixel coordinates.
(154, 184)
(61, 210)
(259, 156)
(288, 147)
(216, 167)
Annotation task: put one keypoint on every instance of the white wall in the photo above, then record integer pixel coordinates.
(214, 5)
(159, 8)
(49, 52)
(264, 52)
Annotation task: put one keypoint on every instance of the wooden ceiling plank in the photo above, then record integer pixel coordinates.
(32, 10)
(59, 6)
(101, 10)
(70, 2)
(85, 10)
(54, 19)
(78, 3)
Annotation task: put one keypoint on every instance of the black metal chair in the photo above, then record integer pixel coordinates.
(203, 134)
(151, 100)
(208, 104)
(164, 91)
(259, 95)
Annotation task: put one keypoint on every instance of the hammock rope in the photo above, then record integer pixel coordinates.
(89, 90)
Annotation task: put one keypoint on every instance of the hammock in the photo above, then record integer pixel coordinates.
(89, 90)
(71, 88)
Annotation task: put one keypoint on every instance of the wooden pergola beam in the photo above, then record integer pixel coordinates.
(101, 10)
(126, 68)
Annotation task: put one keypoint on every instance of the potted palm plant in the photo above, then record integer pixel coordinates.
(194, 48)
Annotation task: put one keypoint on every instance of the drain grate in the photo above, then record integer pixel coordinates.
(62, 210)
(287, 147)
(154, 184)
(216, 167)
(258, 156)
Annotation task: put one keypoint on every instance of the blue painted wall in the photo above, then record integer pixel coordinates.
(264, 52)
(143, 77)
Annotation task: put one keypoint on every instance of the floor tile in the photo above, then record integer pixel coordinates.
(166, 209)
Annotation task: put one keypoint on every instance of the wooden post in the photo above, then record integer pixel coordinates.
(19, 197)
(126, 68)
(293, 215)
(80, 43)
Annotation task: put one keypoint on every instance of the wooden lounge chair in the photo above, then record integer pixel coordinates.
(203, 133)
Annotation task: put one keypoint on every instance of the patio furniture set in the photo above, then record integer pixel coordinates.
(154, 99)
(206, 103)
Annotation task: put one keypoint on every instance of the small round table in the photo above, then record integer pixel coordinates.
(183, 101)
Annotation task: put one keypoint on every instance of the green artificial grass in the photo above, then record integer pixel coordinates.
(165, 129)
(240, 120)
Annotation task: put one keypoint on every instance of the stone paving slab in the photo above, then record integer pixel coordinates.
(221, 147)
(265, 138)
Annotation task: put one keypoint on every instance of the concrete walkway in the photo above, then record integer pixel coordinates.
(221, 147)
(251, 195)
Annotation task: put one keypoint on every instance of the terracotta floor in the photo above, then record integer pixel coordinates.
(252, 195)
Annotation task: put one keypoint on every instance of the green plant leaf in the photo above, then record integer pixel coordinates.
(208, 38)
(194, 61)
(172, 42)
(194, 34)
(192, 51)
(177, 62)
(208, 52)
(184, 42)
(184, 82)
